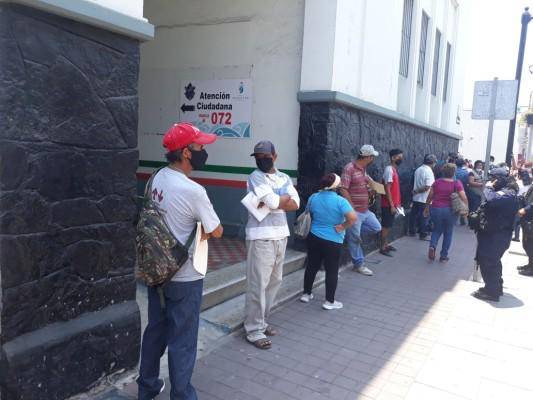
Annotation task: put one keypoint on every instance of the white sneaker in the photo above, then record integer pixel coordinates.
(364, 270)
(336, 305)
(306, 298)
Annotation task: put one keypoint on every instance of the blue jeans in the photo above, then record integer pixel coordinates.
(417, 222)
(444, 220)
(474, 201)
(366, 223)
(175, 327)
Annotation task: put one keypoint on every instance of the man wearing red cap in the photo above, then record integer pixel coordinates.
(183, 203)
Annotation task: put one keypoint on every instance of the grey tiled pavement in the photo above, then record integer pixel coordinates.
(412, 331)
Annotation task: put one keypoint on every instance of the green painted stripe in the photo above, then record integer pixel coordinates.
(217, 168)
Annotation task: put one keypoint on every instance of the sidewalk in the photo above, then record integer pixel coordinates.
(412, 331)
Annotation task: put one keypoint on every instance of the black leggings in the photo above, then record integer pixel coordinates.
(318, 251)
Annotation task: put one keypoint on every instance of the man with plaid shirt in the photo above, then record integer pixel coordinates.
(354, 182)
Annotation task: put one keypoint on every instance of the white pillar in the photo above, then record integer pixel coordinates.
(318, 52)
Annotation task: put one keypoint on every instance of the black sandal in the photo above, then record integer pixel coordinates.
(271, 331)
(263, 343)
(385, 253)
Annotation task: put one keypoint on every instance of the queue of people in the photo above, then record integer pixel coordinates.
(340, 211)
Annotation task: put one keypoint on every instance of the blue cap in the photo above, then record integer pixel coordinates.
(499, 172)
(264, 147)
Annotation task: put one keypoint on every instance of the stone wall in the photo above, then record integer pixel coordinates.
(331, 133)
(68, 137)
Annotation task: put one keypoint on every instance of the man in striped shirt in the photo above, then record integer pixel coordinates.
(266, 242)
(355, 188)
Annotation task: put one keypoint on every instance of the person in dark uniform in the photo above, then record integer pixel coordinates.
(500, 208)
(526, 220)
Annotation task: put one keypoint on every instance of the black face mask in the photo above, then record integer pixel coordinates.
(264, 164)
(198, 158)
(398, 162)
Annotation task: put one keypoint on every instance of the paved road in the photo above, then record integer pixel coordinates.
(412, 331)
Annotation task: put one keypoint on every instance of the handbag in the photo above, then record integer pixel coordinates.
(302, 227)
(458, 206)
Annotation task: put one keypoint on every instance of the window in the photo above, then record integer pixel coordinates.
(406, 37)
(447, 71)
(422, 56)
(436, 59)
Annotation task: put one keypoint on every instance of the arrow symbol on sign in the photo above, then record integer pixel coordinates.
(186, 107)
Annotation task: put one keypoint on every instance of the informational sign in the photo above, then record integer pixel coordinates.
(505, 106)
(220, 106)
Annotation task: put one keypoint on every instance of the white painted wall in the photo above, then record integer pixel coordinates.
(318, 48)
(441, 21)
(378, 57)
(133, 8)
(202, 39)
(453, 107)
(366, 36)
(121, 16)
(351, 47)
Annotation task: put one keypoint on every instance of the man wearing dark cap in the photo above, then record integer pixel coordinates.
(424, 178)
(266, 242)
(391, 200)
(183, 203)
(499, 209)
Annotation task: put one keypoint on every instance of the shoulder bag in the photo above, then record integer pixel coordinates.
(458, 206)
(159, 254)
(302, 227)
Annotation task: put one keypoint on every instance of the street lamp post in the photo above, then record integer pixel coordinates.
(526, 17)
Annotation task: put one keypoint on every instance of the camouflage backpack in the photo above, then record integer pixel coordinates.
(159, 254)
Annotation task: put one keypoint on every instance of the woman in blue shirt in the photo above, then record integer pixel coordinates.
(331, 215)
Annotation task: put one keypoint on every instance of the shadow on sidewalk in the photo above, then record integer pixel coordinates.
(412, 331)
(508, 301)
(375, 345)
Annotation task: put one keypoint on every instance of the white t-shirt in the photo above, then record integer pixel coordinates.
(522, 189)
(423, 177)
(268, 188)
(388, 174)
(183, 203)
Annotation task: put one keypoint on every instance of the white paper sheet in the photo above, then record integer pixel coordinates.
(201, 250)
(250, 201)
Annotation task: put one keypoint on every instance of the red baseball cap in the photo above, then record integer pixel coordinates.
(182, 134)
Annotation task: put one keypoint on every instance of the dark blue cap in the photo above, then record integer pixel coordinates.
(264, 147)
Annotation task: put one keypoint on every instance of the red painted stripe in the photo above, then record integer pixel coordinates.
(143, 176)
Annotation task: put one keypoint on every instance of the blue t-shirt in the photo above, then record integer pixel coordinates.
(327, 210)
(462, 175)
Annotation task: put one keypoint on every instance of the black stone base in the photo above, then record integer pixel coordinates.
(85, 349)
(68, 138)
(330, 135)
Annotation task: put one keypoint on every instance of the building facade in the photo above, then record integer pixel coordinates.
(402, 63)
(91, 87)
(68, 155)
